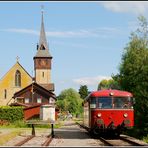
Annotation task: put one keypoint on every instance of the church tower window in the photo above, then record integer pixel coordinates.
(5, 94)
(18, 78)
(42, 47)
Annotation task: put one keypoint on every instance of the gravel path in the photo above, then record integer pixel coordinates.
(73, 136)
(69, 135)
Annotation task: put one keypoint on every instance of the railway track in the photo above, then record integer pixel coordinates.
(83, 126)
(20, 143)
(71, 135)
(122, 140)
(29, 139)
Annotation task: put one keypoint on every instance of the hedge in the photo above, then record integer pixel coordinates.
(11, 114)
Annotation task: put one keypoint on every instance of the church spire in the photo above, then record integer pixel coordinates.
(42, 40)
(42, 48)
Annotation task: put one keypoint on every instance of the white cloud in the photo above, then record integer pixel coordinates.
(90, 80)
(16, 30)
(79, 33)
(102, 32)
(136, 7)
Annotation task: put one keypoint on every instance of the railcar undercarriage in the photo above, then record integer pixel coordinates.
(110, 130)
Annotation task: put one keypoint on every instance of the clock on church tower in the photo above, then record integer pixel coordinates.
(43, 63)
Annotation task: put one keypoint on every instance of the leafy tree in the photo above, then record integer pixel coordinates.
(83, 91)
(69, 100)
(103, 84)
(133, 75)
(108, 84)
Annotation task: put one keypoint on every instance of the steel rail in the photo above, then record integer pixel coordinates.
(24, 141)
(48, 141)
(105, 141)
(132, 142)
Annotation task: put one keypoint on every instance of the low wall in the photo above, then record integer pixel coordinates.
(34, 111)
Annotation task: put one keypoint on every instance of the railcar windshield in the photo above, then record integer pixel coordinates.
(104, 102)
(123, 102)
(111, 102)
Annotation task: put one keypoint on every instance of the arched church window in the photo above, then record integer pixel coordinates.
(18, 78)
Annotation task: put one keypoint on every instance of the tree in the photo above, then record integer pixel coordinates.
(108, 84)
(83, 91)
(133, 73)
(69, 100)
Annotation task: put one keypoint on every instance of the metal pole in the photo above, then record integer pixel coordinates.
(33, 130)
(52, 131)
(32, 92)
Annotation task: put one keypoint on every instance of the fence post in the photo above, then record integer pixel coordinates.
(33, 130)
(52, 130)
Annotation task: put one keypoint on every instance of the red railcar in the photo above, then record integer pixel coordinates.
(108, 111)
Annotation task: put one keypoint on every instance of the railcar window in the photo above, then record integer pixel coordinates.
(105, 102)
(122, 102)
(93, 103)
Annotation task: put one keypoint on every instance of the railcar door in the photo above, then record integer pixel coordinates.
(92, 109)
(86, 114)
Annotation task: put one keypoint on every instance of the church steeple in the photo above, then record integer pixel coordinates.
(42, 49)
(42, 61)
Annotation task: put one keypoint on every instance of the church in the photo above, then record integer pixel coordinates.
(19, 88)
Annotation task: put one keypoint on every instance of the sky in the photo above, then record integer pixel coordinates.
(86, 39)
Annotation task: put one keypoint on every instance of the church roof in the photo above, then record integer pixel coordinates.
(36, 87)
(13, 67)
(42, 49)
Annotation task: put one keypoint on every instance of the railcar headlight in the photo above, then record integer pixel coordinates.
(125, 115)
(99, 115)
(111, 94)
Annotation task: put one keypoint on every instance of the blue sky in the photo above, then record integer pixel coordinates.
(86, 39)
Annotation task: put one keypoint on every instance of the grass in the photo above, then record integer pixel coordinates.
(78, 119)
(22, 124)
(6, 137)
(17, 128)
(20, 127)
(145, 139)
(135, 133)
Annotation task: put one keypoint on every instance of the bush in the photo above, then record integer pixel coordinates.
(11, 114)
(145, 139)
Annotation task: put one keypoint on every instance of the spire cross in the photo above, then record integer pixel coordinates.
(42, 8)
(17, 58)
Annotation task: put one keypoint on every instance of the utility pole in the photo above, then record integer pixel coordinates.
(32, 89)
(32, 92)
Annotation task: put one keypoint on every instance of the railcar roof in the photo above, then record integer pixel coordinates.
(110, 92)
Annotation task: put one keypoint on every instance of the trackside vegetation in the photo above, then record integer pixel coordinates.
(11, 114)
(133, 76)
